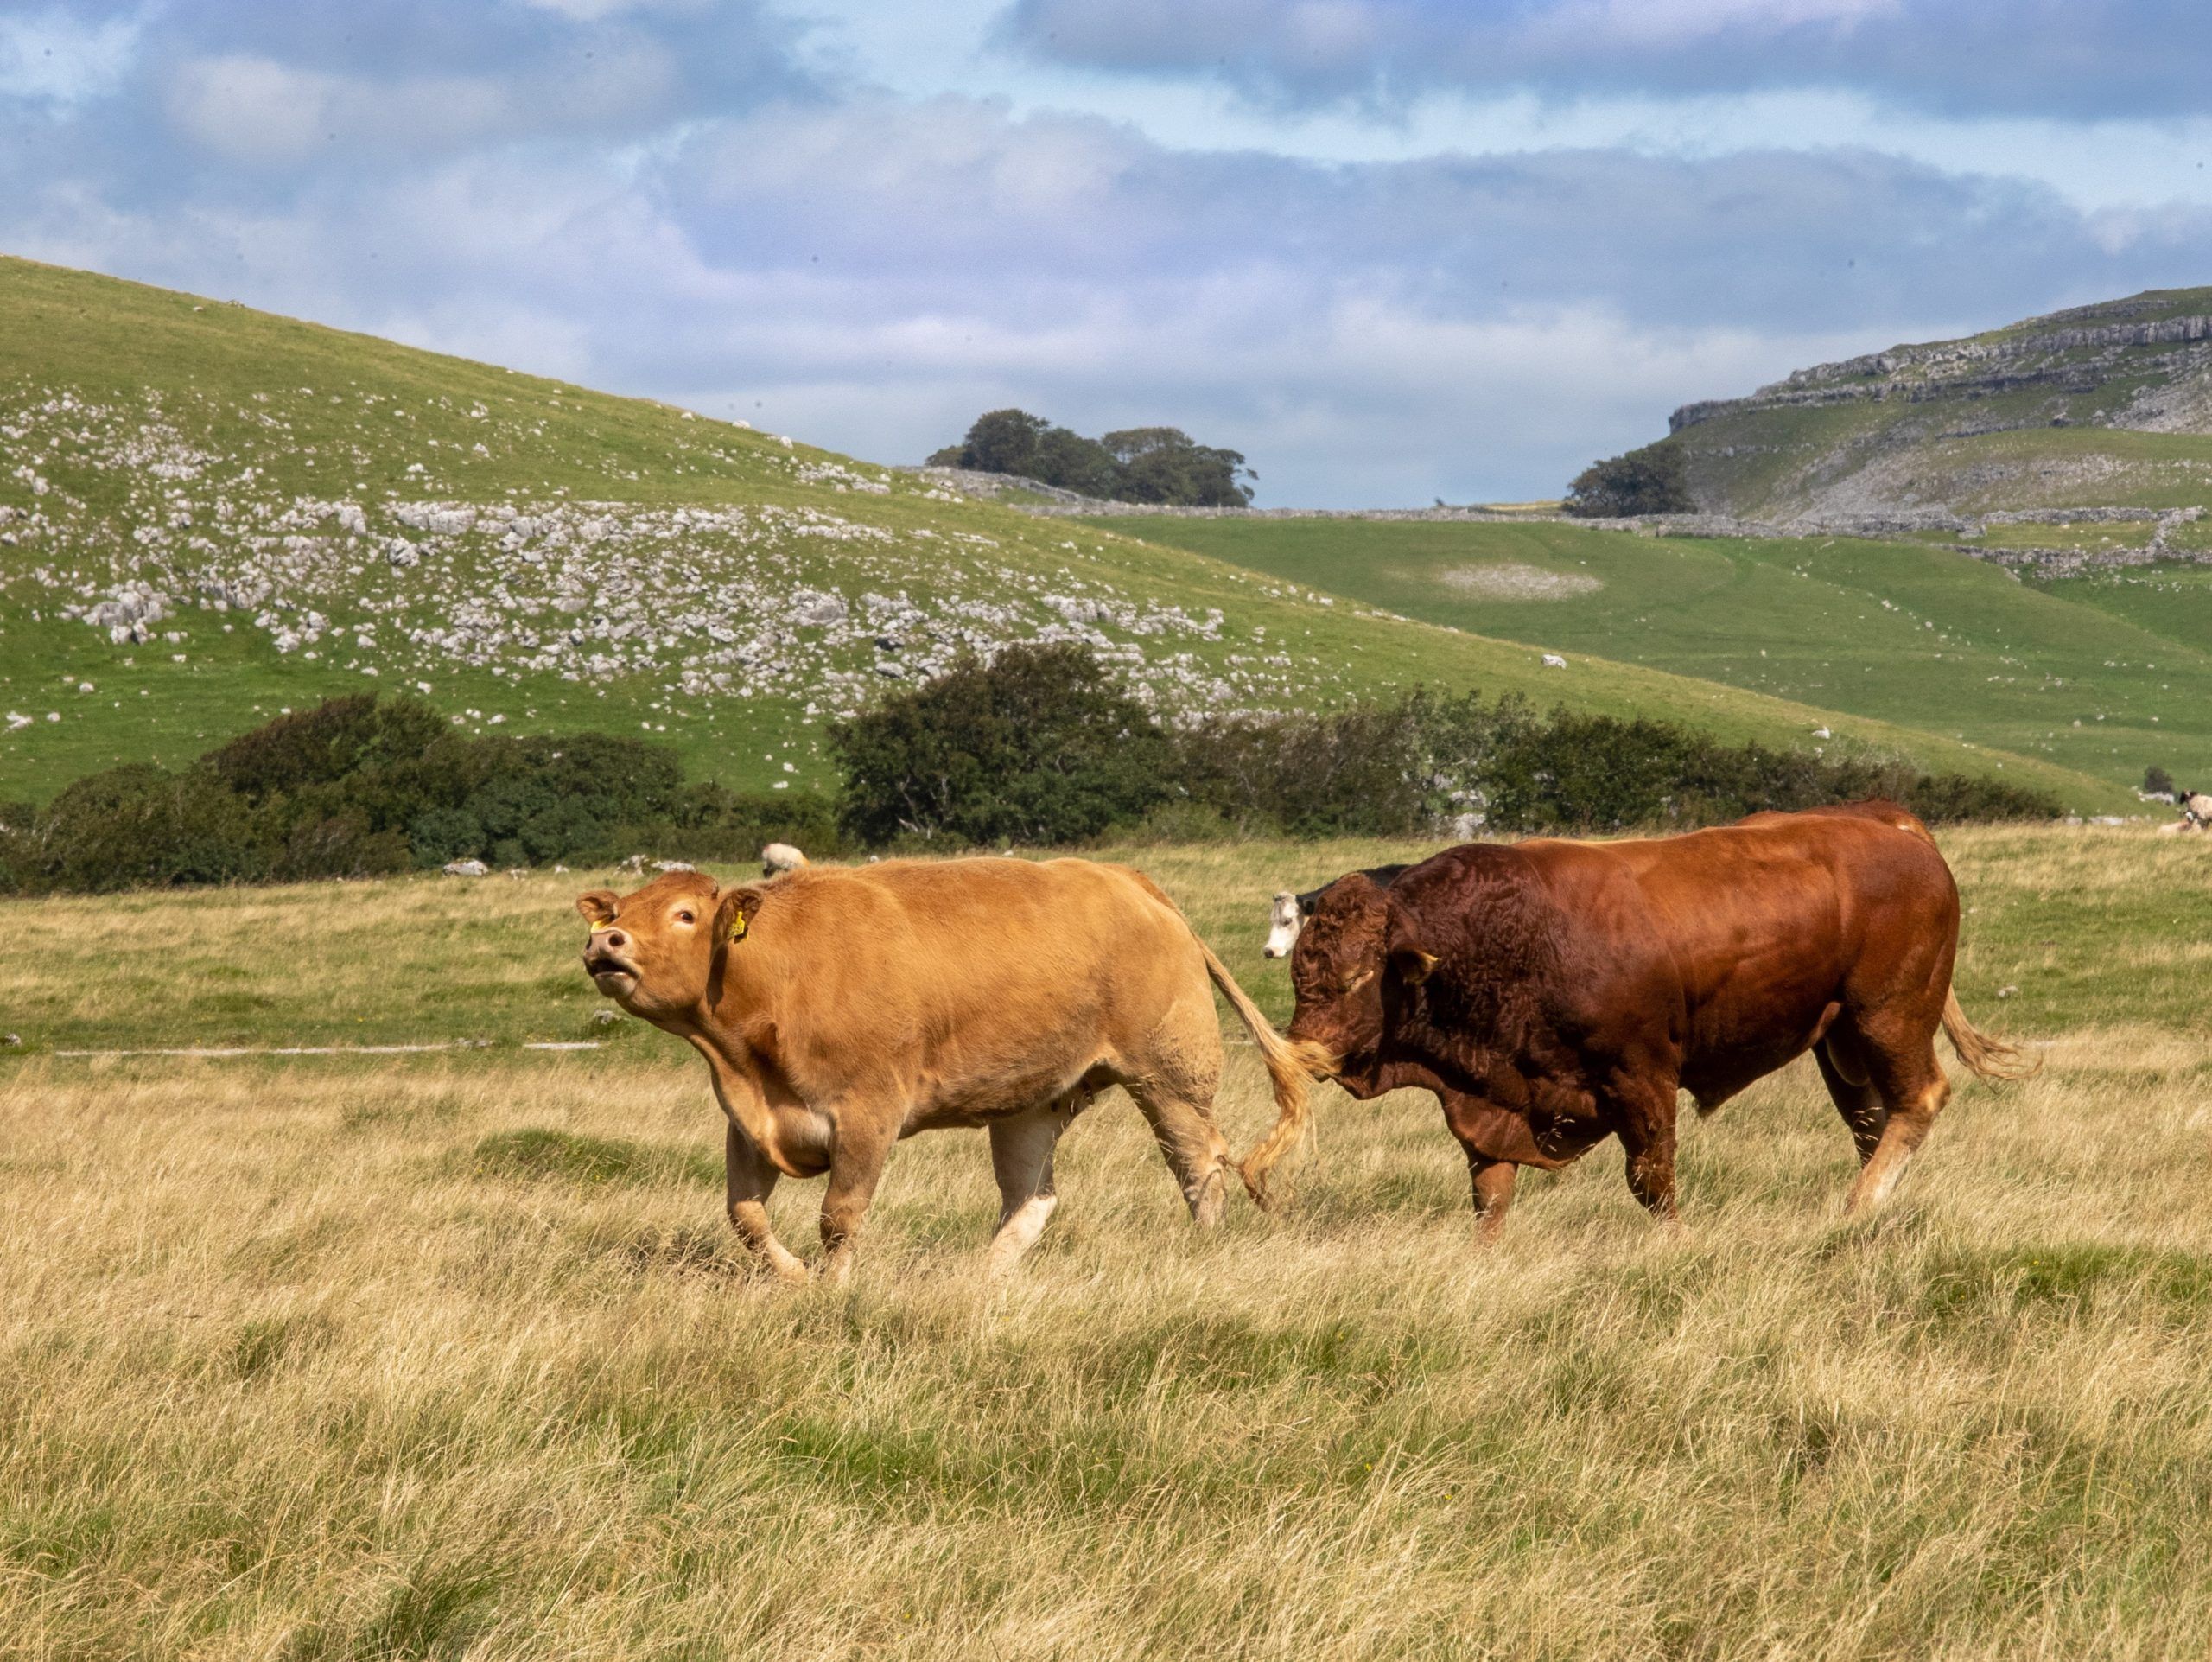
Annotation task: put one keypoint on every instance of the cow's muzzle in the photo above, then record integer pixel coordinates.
(612, 975)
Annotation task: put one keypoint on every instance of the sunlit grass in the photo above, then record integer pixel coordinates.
(454, 1356)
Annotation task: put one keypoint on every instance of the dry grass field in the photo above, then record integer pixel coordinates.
(450, 1355)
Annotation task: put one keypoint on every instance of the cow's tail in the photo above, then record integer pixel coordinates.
(1992, 1059)
(1286, 1068)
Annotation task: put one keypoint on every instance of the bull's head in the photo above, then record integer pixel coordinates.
(654, 951)
(1352, 951)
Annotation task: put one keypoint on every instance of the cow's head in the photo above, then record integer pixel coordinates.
(1352, 951)
(652, 950)
(1284, 921)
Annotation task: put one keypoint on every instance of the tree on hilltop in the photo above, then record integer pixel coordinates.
(1138, 464)
(1651, 479)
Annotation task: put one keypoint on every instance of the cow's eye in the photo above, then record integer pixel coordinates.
(683, 917)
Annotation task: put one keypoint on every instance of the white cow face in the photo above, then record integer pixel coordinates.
(1283, 921)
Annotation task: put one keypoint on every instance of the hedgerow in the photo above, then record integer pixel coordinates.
(1038, 747)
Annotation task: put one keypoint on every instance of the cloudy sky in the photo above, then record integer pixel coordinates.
(1392, 250)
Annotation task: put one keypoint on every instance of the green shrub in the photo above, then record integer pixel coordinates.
(141, 825)
(1367, 770)
(1961, 798)
(1036, 746)
(337, 737)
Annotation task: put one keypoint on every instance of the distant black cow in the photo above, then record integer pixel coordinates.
(1287, 913)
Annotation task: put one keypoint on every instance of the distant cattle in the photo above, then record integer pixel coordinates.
(839, 1010)
(1553, 994)
(1286, 912)
(2196, 807)
(778, 858)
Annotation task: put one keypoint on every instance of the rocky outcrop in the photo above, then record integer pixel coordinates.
(2092, 347)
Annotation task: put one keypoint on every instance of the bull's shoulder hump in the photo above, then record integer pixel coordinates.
(1491, 867)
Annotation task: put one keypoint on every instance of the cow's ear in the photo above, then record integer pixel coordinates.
(734, 916)
(598, 907)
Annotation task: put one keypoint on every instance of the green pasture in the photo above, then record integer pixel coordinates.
(1897, 631)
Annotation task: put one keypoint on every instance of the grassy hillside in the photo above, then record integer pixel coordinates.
(256, 511)
(1776, 464)
(2102, 676)
(455, 1355)
(2103, 406)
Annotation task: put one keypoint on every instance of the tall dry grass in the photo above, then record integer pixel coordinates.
(452, 1356)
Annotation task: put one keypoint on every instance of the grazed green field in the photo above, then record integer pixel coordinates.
(453, 1356)
(1901, 630)
(325, 513)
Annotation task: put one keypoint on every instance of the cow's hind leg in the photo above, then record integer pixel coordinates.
(1183, 1125)
(1844, 1072)
(1021, 1159)
(1913, 1090)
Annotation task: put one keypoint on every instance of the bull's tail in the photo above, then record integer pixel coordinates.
(1987, 1057)
(1287, 1068)
(1992, 1059)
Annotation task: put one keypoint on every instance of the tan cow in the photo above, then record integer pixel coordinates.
(841, 1008)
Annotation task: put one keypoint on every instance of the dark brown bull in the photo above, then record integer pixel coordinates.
(1553, 994)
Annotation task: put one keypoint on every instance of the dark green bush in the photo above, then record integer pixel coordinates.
(337, 737)
(1960, 798)
(143, 826)
(1036, 746)
(357, 788)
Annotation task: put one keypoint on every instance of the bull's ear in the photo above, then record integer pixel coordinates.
(1407, 957)
(734, 916)
(598, 907)
(1412, 964)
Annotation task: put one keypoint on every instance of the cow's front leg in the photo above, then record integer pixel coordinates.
(863, 1138)
(1493, 1183)
(751, 1178)
(1646, 1118)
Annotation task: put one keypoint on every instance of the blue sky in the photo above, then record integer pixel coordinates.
(1392, 250)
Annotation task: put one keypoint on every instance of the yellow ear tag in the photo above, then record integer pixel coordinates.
(737, 926)
(596, 927)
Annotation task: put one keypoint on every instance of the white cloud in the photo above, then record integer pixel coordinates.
(51, 56)
(1477, 315)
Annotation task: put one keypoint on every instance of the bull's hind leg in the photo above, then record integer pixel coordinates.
(1913, 1090)
(1021, 1159)
(1843, 1070)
